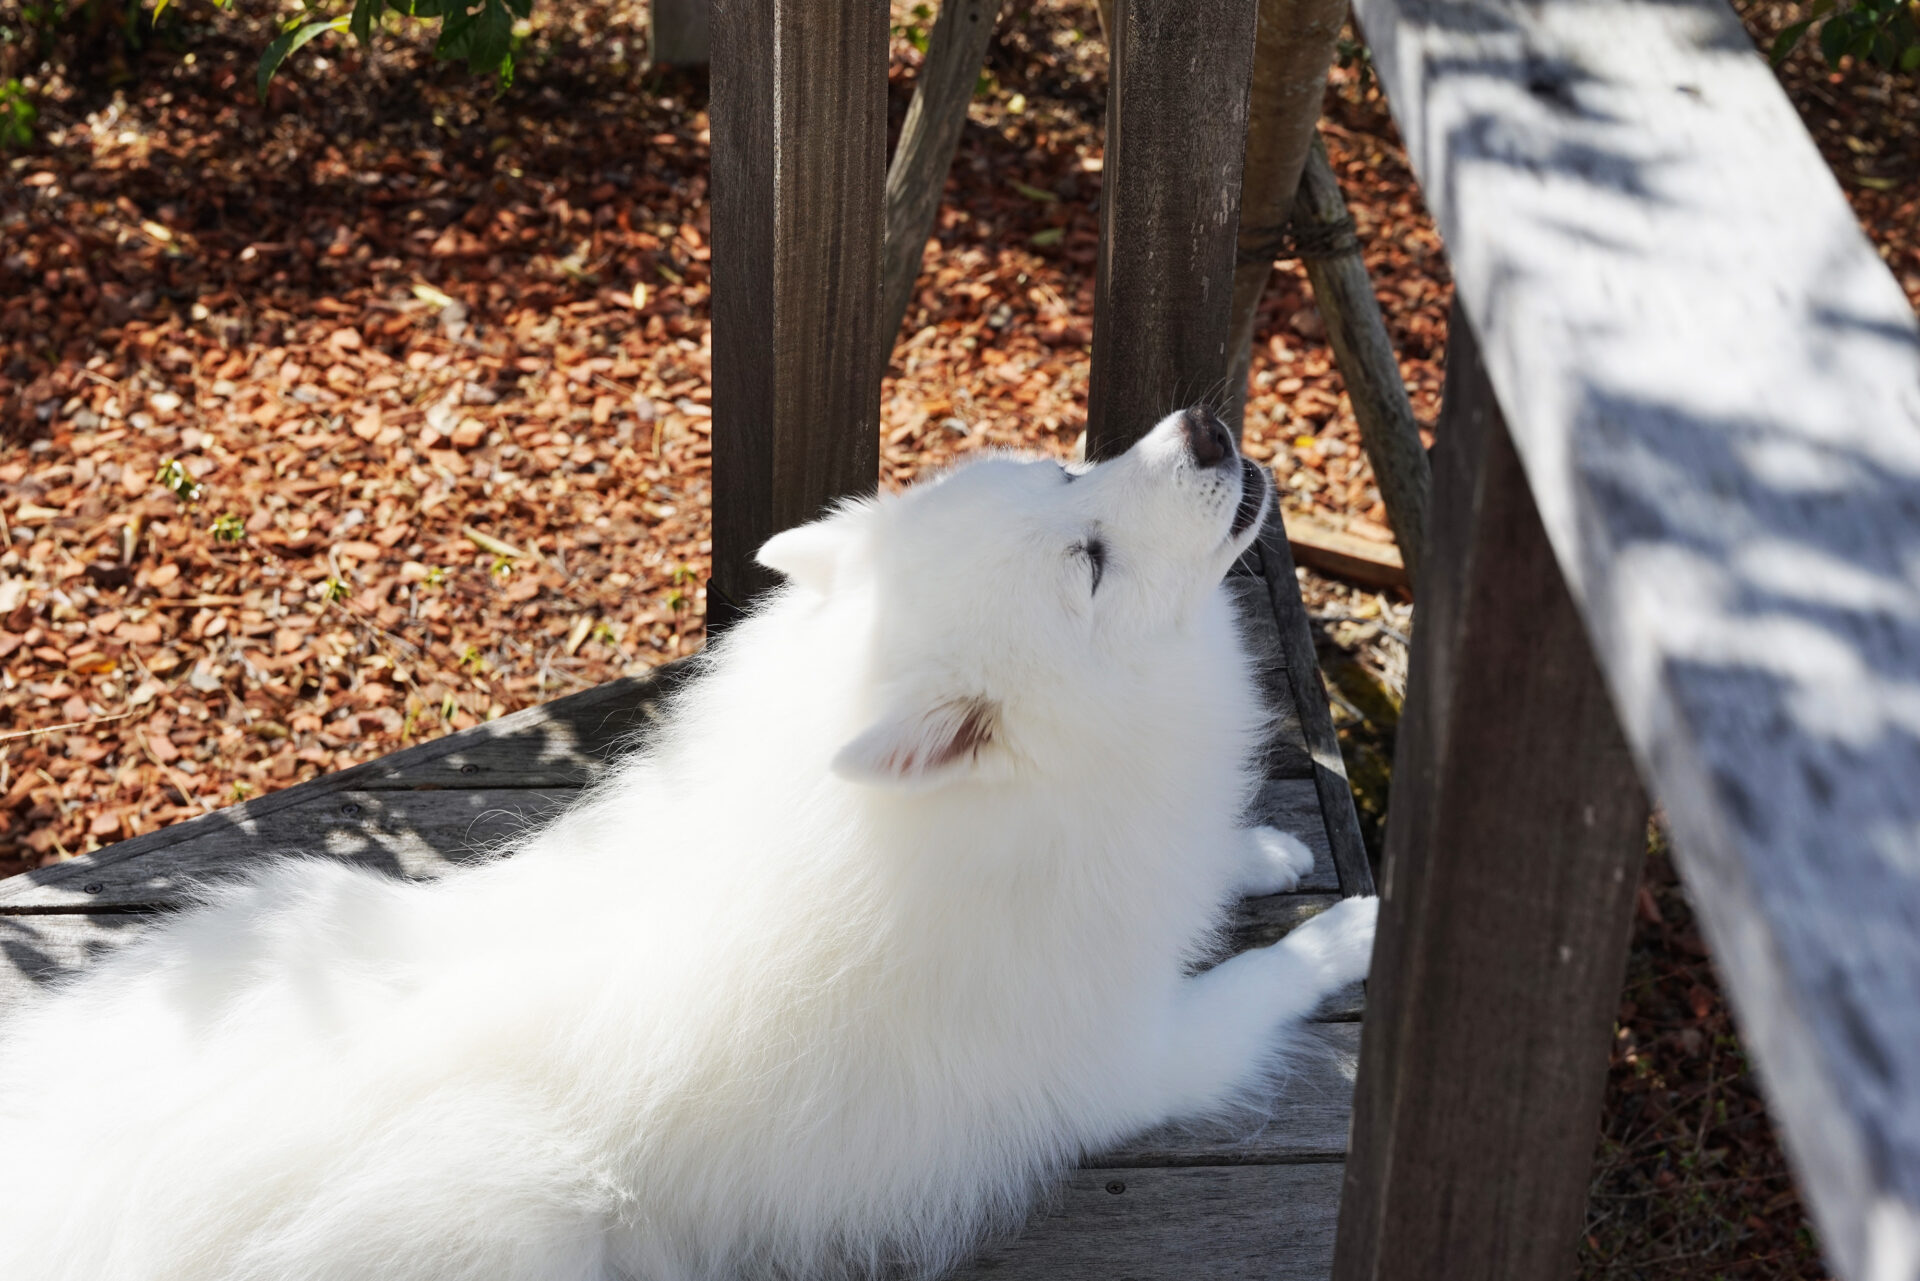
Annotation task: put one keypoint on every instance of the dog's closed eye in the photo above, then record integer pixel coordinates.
(1094, 549)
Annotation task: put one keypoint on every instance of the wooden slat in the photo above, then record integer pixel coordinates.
(917, 176)
(1513, 851)
(1714, 385)
(677, 33)
(1220, 1223)
(416, 835)
(556, 744)
(799, 112)
(1169, 212)
(1309, 700)
(565, 743)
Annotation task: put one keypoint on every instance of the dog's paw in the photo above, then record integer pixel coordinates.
(1275, 862)
(1339, 941)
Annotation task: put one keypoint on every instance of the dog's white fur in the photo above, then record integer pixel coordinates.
(894, 920)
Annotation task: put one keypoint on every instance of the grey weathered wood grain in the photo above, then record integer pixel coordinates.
(416, 835)
(556, 744)
(1169, 212)
(1290, 61)
(1363, 350)
(1514, 846)
(677, 32)
(799, 113)
(1714, 385)
(917, 176)
(568, 742)
(1217, 1223)
(1286, 754)
(1309, 701)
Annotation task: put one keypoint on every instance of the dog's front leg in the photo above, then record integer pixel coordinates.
(1270, 862)
(1228, 1022)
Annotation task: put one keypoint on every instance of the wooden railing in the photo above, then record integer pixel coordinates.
(1675, 541)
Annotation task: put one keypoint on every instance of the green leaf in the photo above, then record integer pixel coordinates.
(360, 22)
(159, 7)
(455, 35)
(1036, 193)
(289, 41)
(521, 8)
(1833, 39)
(492, 38)
(1787, 41)
(1048, 236)
(1910, 60)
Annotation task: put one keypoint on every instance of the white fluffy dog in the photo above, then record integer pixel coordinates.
(895, 919)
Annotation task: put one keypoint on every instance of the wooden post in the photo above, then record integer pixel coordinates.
(1513, 848)
(1170, 212)
(1290, 64)
(917, 178)
(677, 33)
(799, 111)
(1323, 236)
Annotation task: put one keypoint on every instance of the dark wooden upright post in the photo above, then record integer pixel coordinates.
(1514, 843)
(1170, 211)
(677, 33)
(799, 111)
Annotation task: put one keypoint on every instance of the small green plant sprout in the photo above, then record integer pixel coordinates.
(174, 476)
(242, 789)
(914, 30)
(502, 567)
(229, 528)
(677, 600)
(448, 707)
(473, 660)
(603, 632)
(436, 576)
(335, 589)
(17, 115)
(683, 575)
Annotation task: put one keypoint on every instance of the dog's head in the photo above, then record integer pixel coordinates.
(1003, 591)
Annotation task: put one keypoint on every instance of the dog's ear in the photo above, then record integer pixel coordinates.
(805, 554)
(922, 749)
(811, 554)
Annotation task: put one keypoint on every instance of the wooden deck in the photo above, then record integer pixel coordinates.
(1195, 1202)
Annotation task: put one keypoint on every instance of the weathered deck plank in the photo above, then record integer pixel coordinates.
(1221, 1223)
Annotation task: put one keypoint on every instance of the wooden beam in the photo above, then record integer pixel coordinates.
(1514, 843)
(1323, 236)
(1309, 701)
(917, 177)
(677, 33)
(1169, 212)
(1713, 383)
(1295, 48)
(799, 112)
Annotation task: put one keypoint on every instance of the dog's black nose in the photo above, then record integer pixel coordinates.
(1207, 438)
